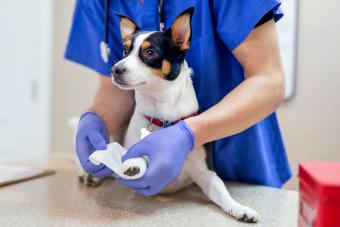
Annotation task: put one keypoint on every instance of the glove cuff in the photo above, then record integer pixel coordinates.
(93, 116)
(189, 132)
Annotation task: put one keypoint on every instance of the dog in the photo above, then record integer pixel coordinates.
(153, 66)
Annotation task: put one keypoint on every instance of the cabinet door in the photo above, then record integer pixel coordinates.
(24, 77)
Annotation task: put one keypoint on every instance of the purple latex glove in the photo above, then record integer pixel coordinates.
(167, 150)
(92, 135)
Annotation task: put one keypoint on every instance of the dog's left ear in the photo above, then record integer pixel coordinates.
(180, 30)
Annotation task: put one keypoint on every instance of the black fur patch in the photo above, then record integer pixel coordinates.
(209, 156)
(163, 46)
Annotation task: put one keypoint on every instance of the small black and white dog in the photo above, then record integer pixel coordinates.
(154, 67)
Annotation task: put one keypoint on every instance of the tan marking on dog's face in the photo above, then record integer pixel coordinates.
(164, 71)
(145, 45)
(127, 44)
(157, 72)
(165, 67)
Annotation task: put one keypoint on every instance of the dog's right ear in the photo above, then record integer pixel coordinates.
(127, 27)
(180, 30)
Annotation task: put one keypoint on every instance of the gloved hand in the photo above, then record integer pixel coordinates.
(167, 150)
(92, 135)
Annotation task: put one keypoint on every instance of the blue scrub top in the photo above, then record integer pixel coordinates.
(256, 155)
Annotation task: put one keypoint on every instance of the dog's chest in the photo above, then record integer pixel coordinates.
(137, 123)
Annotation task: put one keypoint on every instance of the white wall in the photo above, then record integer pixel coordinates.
(73, 86)
(310, 122)
(26, 29)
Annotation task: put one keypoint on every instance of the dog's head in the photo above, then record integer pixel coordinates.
(152, 59)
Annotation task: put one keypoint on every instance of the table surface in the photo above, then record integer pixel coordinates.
(60, 200)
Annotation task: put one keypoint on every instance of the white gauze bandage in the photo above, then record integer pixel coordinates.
(112, 158)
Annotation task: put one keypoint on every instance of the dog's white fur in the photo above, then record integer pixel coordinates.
(172, 100)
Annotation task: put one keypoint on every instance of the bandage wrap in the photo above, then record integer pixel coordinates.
(111, 157)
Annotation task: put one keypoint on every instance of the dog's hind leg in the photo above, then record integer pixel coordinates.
(215, 189)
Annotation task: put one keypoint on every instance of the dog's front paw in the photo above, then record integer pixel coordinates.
(132, 171)
(243, 213)
(89, 180)
(248, 215)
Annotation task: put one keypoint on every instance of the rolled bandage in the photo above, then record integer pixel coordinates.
(111, 157)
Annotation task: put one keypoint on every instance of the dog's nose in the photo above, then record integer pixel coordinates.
(118, 70)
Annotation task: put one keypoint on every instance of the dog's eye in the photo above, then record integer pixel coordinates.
(150, 53)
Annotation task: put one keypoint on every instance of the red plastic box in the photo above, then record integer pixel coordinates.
(319, 191)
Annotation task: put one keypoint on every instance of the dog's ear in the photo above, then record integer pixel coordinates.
(180, 30)
(127, 27)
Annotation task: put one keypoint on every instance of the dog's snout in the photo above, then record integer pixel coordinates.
(118, 70)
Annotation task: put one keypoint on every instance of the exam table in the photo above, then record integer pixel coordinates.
(60, 200)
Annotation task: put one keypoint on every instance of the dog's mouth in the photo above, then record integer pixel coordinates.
(121, 82)
(125, 85)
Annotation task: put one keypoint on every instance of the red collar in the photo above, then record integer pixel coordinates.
(164, 124)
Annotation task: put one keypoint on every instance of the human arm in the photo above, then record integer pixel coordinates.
(256, 97)
(113, 105)
(108, 115)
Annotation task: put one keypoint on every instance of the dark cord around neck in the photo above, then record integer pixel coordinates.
(106, 21)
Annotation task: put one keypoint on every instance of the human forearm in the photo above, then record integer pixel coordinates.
(251, 101)
(113, 105)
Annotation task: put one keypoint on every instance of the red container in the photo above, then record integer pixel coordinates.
(319, 191)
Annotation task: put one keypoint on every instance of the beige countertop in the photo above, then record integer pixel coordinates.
(59, 200)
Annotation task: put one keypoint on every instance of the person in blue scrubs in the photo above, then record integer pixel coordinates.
(238, 79)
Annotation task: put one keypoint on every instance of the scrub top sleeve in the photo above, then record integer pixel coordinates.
(235, 19)
(87, 32)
